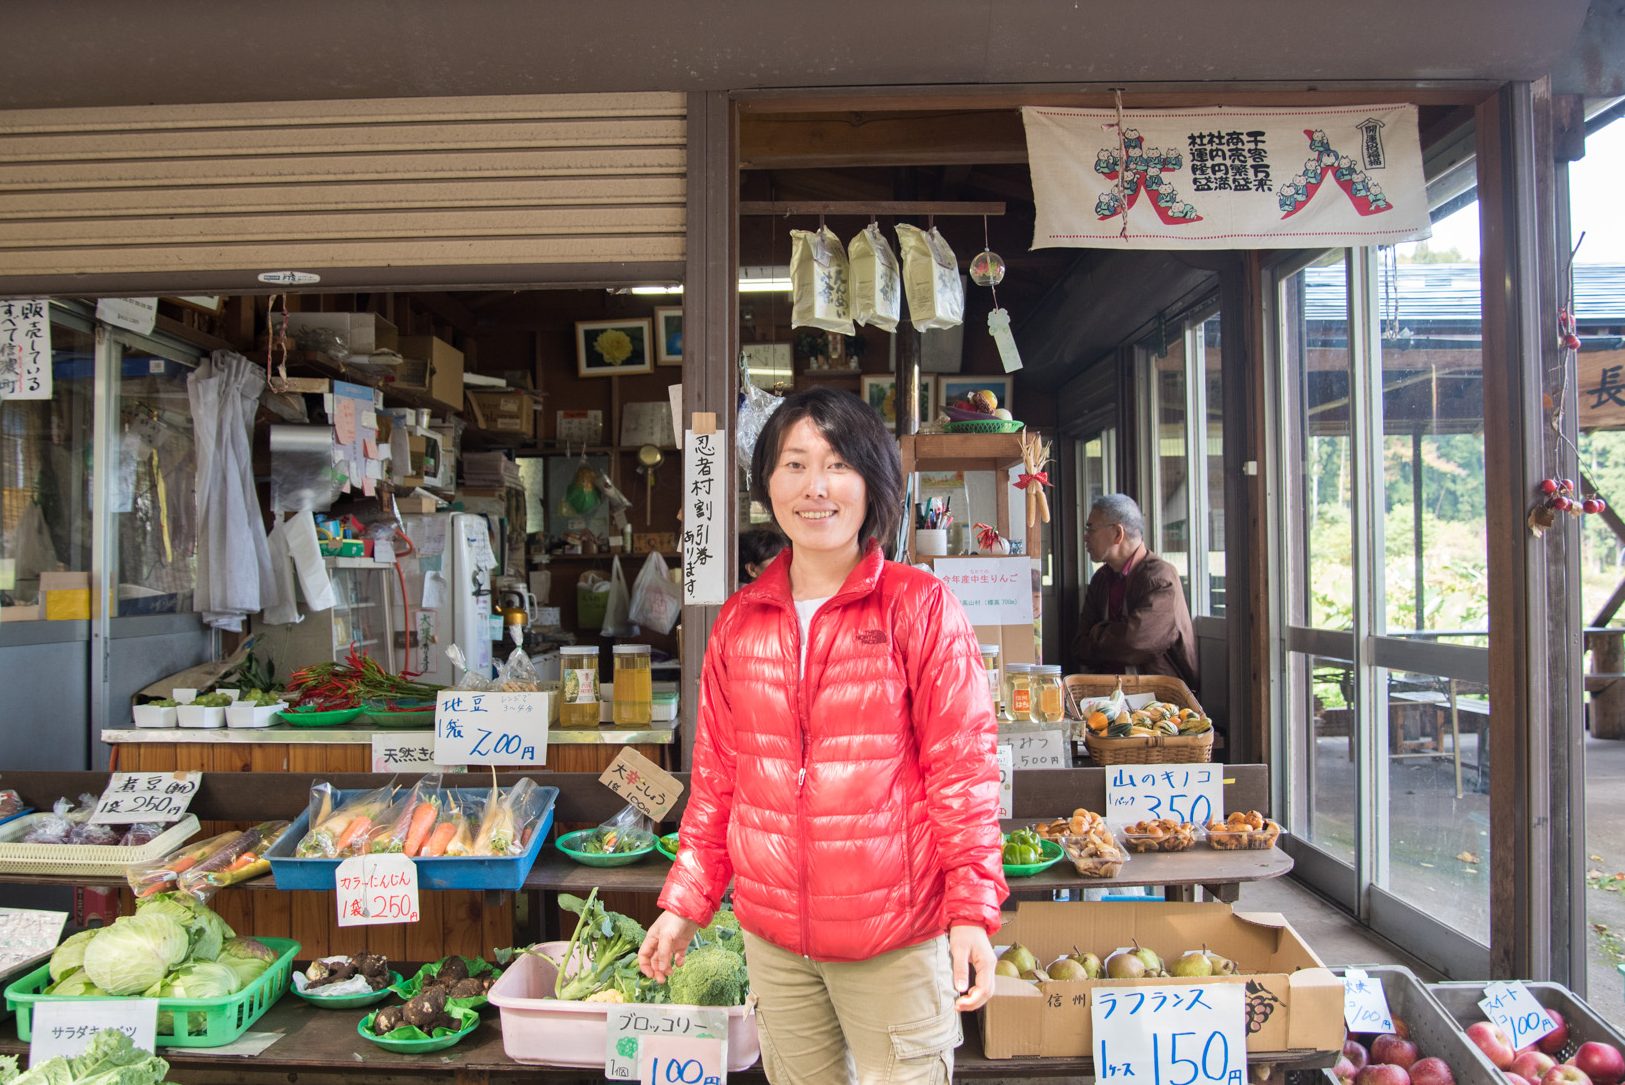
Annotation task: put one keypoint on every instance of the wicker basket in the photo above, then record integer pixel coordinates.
(1144, 750)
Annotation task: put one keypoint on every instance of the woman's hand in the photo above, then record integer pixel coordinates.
(968, 949)
(667, 943)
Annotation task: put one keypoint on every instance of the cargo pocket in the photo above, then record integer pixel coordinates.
(923, 1051)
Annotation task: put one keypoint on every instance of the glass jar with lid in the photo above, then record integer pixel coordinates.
(578, 685)
(633, 702)
(990, 664)
(1017, 699)
(1047, 700)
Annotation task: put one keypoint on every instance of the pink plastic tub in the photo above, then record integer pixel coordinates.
(549, 1032)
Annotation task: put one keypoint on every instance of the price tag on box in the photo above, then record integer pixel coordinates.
(68, 1026)
(1193, 793)
(1510, 1005)
(377, 889)
(1365, 1003)
(476, 728)
(158, 797)
(642, 783)
(1194, 1034)
(687, 1044)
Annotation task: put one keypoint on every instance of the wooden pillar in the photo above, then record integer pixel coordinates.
(711, 337)
(1608, 701)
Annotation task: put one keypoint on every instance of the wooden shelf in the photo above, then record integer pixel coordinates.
(961, 451)
(607, 555)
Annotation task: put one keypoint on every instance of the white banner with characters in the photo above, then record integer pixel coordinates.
(1226, 178)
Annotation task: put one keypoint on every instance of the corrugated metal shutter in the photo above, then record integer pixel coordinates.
(393, 183)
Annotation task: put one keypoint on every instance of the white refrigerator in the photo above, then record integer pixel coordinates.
(449, 578)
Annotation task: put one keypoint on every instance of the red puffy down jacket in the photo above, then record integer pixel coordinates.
(857, 811)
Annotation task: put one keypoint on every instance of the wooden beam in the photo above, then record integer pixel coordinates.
(866, 138)
(868, 209)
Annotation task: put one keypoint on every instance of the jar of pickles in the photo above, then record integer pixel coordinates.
(1046, 694)
(1016, 701)
(578, 685)
(990, 664)
(633, 701)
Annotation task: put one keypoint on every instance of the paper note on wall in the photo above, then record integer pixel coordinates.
(705, 572)
(25, 349)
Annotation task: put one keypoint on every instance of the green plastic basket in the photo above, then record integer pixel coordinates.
(566, 844)
(336, 718)
(1052, 855)
(988, 425)
(223, 1019)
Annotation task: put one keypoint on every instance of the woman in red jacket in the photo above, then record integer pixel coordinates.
(845, 778)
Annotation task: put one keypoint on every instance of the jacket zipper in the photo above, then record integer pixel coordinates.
(802, 723)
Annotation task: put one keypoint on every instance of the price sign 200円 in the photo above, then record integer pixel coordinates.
(1189, 1034)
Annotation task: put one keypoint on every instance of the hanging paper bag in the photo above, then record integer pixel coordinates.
(877, 285)
(818, 274)
(616, 621)
(936, 293)
(656, 602)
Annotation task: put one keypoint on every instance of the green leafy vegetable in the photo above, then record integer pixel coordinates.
(111, 1059)
(70, 955)
(135, 952)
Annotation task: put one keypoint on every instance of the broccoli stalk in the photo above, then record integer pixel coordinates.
(602, 939)
(712, 975)
(722, 930)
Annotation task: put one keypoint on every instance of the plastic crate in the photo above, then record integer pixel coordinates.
(444, 872)
(1433, 1030)
(539, 1030)
(224, 1019)
(85, 860)
(1460, 1001)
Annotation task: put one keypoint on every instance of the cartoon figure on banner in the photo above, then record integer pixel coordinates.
(1325, 161)
(1142, 173)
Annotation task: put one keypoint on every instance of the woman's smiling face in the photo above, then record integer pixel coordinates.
(819, 500)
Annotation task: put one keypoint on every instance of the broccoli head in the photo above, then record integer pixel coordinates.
(602, 940)
(711, 975)
(722, 930)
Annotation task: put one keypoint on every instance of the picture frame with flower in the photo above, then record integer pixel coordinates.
(614, 348)
(669, 335)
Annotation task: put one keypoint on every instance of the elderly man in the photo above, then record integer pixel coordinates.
(1134, 618)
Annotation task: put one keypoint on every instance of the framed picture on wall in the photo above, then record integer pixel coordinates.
(614, 348)
(950, 389)
(669, 335)
(880, 392)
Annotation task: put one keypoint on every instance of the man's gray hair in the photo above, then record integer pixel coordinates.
(1120, 509)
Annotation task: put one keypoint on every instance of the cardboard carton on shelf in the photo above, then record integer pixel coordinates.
(1303, 998)
(503, 412)
(432, 366)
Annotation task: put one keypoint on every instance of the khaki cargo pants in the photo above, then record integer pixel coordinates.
(889, 1020)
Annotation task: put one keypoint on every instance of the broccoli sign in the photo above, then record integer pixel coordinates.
(685, 1045)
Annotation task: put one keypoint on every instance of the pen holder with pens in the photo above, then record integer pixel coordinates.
(930, 542)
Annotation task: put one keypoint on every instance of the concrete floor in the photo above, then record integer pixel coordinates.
(1605, 850)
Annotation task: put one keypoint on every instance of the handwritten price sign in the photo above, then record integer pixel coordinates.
(1191, 1034)
(375, 889)
(66, 1028)
(1365, 1004)
(159, 797)
(490, 728)
(1511, 1006)
(681, 1045)
(1007, 785)
(1037, 750)
(642, 783)
(1193, 793)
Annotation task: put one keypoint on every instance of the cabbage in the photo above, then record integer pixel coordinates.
(111, 1059)
(135, 952)
(204, 979)
(75, 983)
(248, 958)
(70, 955)
(206, 930)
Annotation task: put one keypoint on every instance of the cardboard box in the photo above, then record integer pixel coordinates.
(433, 366)
(366, 333)
(1053, 1018)
(503, 412)
(65, 597)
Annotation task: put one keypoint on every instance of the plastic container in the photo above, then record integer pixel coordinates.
(567, 842)
(1182, 838)
(1046, 697)
(991, 653)
(1432, 1029)
(930, 542)
(248, 714)
(200, 716)
(348, 1002)
(151, 715)
(578, 685)
(416, 1047)
(336, 718)
(442, 872)
(633, 704)
(87, 860)
(542, 1031)
(667, 846)
(1460, 1001)
(1015, 697)
(1053, 853)
(223, 1019)
(1244, 839)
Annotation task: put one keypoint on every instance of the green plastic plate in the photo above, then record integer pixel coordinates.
(1052, 855)
(624, 858)
(337, 718)
(668, 852)
(989, 425)
(349, 1002)
(415, 1047)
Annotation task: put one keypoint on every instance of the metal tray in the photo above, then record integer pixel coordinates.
(1432, 1029)
(1460, 1001)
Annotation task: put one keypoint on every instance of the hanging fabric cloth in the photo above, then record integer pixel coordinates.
(234, 574)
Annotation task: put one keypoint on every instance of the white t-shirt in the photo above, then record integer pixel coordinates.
(805, 609)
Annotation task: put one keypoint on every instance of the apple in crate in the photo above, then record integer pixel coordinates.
(1602, 1063)
(1393, 1051)
(1343, 1070)
(1564, 1074)
(1516, 1079)
(1531, 1065)
(1554, 1041)
(1355, 1052)
(1432, 1071)
(1383, 1074)
(1494, 1042)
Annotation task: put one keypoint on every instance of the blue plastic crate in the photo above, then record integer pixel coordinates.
(18, 814)
(460, 872)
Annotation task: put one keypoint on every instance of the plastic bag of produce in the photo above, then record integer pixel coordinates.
(877, 285)
(406, 827)
(341, 829)
(656, 601)
(163, 875)
(510, 819)
(936, 293)
(242, 858)
(628, 830)
(818, 280)
(518, 674)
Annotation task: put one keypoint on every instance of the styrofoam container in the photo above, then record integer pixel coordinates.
(151, 715)
(543, 1031)
(1460, 1001)
(232, 693)
(1433, 1030)
(108, 860)
(248, 714)
(200, 716)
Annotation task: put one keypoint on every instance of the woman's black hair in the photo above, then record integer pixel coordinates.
(757, 547)
(855, 430)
